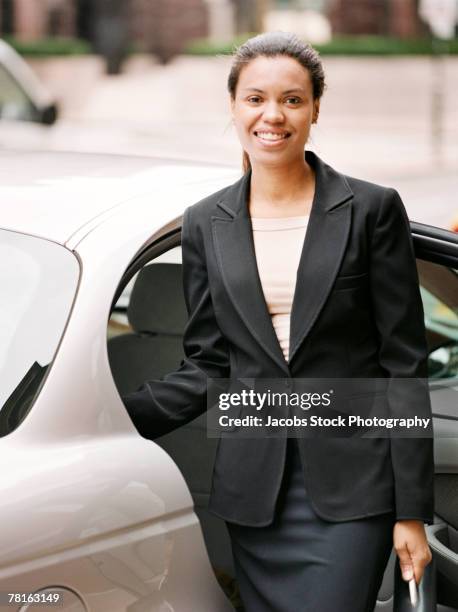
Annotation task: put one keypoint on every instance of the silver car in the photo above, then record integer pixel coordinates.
(91, 305)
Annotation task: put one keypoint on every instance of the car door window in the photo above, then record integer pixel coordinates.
(118, 323)
(145, 330)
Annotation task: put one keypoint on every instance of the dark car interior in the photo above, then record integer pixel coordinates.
(145, 342)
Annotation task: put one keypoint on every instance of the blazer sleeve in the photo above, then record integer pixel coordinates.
(160, 406)
(403, 352)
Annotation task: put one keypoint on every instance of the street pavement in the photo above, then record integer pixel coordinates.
(375, 120)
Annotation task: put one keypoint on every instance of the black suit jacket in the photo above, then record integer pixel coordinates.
(356, 312)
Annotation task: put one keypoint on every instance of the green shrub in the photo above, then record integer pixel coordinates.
(381, 45)
(202, 46)
(50, 46)
(343, 45)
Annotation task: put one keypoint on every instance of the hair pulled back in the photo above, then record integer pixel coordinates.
(273, 44)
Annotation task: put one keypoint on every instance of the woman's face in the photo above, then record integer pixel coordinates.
(273, 110)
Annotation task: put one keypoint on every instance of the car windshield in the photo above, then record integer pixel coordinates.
(38, 281)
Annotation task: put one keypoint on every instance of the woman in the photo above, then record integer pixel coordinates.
(312, 521)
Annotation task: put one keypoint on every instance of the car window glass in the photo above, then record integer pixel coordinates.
(145, 330)
(14, 103)
(38, 281)
(119, 323)
(439, 291)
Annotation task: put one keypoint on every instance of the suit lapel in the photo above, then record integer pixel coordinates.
(323, 249)
(236, 256)
(322, 252)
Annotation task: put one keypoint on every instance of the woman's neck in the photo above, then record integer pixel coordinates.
(281, 191)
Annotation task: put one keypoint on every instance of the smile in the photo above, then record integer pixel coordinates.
(271, 136)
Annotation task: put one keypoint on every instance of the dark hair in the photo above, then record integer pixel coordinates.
(272, 44)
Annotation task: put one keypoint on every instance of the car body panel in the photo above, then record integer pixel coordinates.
(99, 519)
(34, 185)
(88, 498)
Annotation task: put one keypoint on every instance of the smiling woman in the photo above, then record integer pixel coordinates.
(297, 271)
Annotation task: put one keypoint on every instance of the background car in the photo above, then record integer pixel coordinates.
(22, 95)
(92, 306)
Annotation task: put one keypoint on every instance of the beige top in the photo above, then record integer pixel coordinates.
(278, 246)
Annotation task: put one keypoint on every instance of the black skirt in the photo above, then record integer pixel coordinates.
(302, 563)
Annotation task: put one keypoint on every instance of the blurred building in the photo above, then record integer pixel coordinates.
(306, 18)
(398, 18)
(162, 27)
(165, 26)
(317, 20)
(152, 24)
(249, 14)
(30, 19)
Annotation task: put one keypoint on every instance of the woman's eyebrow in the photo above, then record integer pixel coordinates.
(287, 91)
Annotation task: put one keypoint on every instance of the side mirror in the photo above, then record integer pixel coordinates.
(49, 114)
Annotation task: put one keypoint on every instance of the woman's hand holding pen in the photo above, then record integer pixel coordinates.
(411, 546)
